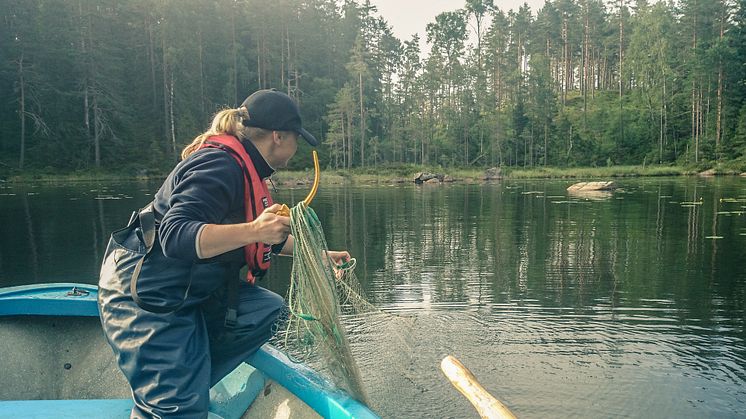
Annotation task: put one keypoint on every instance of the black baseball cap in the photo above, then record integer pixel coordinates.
(273, 110)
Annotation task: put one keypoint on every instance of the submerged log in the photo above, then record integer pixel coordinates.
(592, 186)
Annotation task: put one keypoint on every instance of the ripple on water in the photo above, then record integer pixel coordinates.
(587, 362)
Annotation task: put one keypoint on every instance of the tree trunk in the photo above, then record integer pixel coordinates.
(98, 123)
(166, 122)
(171, 117)
(662, 119)
(665, 115)
(258, 64)
(621, 70)
(565, 60)
(585, 66)
(695, 116)
(86, 78)
(97, 132)
(718, 125)
(151, 56)
(362, 121)
(349, 139)
(201, 76)
(344, 140)
(235, 58)
(22, 111)
(86, 112)
(283, 43)
(546, 143)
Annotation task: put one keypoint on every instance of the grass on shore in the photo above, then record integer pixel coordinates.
(405, 174)
(389, 174)
(599, 172)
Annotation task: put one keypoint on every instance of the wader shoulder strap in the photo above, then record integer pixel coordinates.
(146, 233)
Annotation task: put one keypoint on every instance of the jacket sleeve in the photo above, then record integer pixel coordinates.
(205, 191)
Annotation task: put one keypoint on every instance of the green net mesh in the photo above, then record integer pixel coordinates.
(320, 292)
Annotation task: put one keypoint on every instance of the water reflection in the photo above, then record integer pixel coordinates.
(57, 233)
(33, 252)
(595, 302)
(561, 305)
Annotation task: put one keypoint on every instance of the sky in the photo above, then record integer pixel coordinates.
(408, 17)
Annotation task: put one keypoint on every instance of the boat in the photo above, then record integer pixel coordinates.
(55, 362)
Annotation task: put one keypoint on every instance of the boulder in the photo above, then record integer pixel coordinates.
(708, 173)
(423, 177)
(493, 173)
(592, 186)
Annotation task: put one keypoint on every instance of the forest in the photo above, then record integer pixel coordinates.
(117, 86)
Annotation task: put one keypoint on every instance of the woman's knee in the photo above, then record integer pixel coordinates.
(275, 300)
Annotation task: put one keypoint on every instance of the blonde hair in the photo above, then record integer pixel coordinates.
(226, 121)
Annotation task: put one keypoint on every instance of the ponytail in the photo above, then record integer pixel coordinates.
(226, 121)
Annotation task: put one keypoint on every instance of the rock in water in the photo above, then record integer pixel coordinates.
(592, 186)
(424, 177)
(493, 173)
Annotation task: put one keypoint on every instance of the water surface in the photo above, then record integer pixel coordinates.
(626, 305)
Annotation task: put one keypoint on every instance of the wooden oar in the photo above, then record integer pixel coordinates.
(465, 382)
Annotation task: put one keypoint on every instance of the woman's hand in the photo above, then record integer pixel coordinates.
(216, 239)
(271, 228)
(339, 257)
(339, 262)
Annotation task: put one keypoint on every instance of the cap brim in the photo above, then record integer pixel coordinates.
(310, 139)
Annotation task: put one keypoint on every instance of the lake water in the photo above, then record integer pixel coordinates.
(626, 305)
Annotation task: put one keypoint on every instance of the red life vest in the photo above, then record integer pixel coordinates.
(256, 198)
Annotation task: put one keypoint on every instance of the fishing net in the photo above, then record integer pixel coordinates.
(320, 292)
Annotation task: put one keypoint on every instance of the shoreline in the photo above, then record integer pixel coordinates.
(402, 175)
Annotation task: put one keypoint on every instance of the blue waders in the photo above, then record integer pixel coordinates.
(172, 359)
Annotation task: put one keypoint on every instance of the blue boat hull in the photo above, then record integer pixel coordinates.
(56, 363)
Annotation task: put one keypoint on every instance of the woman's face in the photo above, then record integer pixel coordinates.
(286, 148)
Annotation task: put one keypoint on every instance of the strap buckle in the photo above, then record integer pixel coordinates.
(231, 318)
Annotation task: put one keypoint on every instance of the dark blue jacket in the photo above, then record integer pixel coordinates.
(205, 188)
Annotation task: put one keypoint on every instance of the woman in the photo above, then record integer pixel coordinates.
(174, 307)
